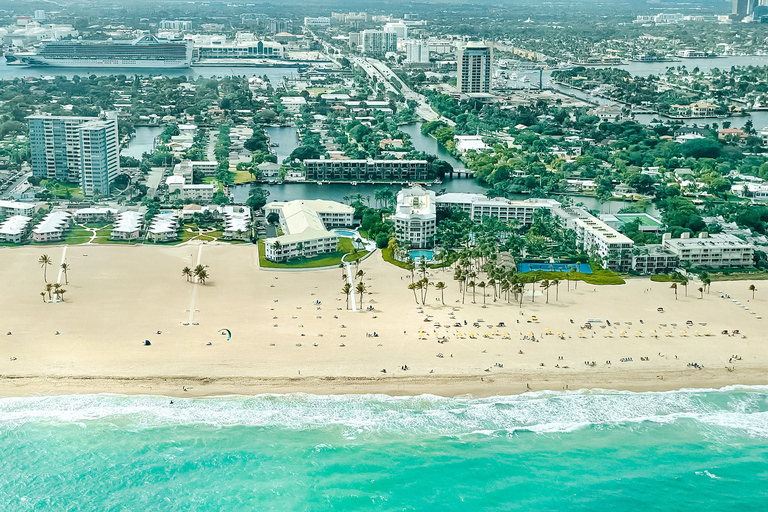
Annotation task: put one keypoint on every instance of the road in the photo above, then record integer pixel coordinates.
(382, 72)
(13, 184)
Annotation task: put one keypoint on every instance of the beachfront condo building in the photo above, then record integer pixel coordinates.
(53, 227)
(13, 228)
(597, 238)
(127, 226)
(654, 259)
(85, 215)
(164, 227)
(505, 210)
(11, 208)
(415, 218)
(237, 222)
(401, 171)
(474, 63)
(188, 168)
(99, 155)
(711, 251)
(305, 234)
(331, 213)
(74, 149)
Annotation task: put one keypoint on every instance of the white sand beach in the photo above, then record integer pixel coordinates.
(282, 341)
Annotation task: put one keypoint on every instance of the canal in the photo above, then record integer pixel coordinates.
(142, 141)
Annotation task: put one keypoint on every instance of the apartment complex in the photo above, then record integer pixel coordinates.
(99, 155)
(474, 67)
(596, 237)
(713, 251)
(366, 170)
(417, 52)
(331, 213)
(11, 208)
(653, 259)
(127, 226)
(415, 217)
(53, 227)
(12, 229)
(82, 150)
(305, 235)
(505, 210)
(377, 42)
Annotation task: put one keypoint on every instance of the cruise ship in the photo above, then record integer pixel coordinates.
(145, 52)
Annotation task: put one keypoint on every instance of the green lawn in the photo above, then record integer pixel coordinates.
(326, 260)
(243, 177)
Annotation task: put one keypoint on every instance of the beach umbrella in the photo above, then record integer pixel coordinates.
(668, 333)
(548, 329)
(683, 332)
(608, 333)
(581, 333)
(530, 334)
(638, 333)
(698, 333)
(623, 333)
(709, 332)
(653, 332)
(559, 333)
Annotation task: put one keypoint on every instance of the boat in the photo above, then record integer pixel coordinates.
(525, 79)
(695, 54)
(274, 145)
(354, 183)
(146, 51)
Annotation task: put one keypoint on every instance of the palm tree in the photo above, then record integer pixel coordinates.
(65, 268)
(575, 281)
(481, 284)
(56, 288)
(61, 294)
(202, 275)
(707, 282)
(556, 284)
(48, 288)
(674, 287)
(42, 294)
(360, 288)
(441, 286)
(360, 275)
(545, 284)
(413, 287)
(752, 288)
(492, 284)
(44, 261)
(472, 284)
(346, 290)
(276, 246)
(186, 272)
(198, 269)
(684, 282)
(701, 292)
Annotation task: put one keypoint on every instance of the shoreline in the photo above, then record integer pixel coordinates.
(446, 386)
(297, 332)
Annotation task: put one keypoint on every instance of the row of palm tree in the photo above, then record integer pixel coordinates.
(51, 290)
(199, 272)
(348, 289)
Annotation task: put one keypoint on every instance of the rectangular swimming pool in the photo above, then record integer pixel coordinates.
(524, 268)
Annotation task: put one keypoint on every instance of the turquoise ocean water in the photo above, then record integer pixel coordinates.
(586, 450)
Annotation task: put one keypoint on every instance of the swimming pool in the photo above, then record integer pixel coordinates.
(417, 254)
(523, 268)
(345, 233)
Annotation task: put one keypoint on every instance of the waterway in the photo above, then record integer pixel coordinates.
(429, 145)
(759, 119)
(142, 141)
(287, 139)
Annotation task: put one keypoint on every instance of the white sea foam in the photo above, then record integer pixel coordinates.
(743, 409)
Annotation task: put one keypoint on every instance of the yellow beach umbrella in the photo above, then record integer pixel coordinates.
(608, 333)
(581, 333)
(559, 333)
(698, 333)
(668, 333)
(653, 332)
(548, 329)
(530, 334)
(623, 333)
(683, 332)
